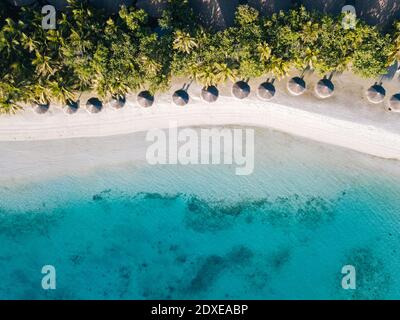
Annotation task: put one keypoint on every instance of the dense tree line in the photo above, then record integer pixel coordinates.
(113, 55)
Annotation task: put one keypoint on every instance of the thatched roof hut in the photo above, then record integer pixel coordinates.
(71, 107)
(210, 94)
(376, 93)
(145, 99)
(117, 102)
(394, 103)
(266, 91)
(180, 97)
(324, 88)
(296, 86)
(40, 108)
(94, 105)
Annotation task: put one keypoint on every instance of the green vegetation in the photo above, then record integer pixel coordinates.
(116, 54)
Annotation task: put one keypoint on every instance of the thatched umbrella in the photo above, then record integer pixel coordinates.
(145, 99)
(94, 105)
(180, 97)
(296, 86)
(394, 103)
(376, 93)
(241, 90)
(41, 108)
(266, 91)
(210, 94)
(71, 107)
(117, 102)
(324, 88)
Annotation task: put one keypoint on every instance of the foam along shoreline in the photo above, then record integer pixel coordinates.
(346, 119)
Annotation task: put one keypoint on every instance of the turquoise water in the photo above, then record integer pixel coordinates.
(131, 231)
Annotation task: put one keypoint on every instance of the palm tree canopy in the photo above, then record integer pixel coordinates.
(94, 105)
(394, 103)
(324, 88)
(296, 86)
(210, 94)
(183, 42)
(91, 50)
(145, 99)
(376, 93)
(241, 90)
(71, 107)
(180, 97)
(266, 91)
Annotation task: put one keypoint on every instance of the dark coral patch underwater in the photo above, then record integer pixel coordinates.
(206, 216)
(16, 224)
(373, 280)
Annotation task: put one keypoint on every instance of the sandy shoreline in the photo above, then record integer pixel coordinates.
(345, 120)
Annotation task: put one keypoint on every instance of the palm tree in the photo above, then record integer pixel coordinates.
(29, 42)
(38, 93)
(42, 65)
(8, 106)
(224, 73)
(183, 42)
(60, 91)
(205, 75)
(152, 66)
(10, 36)
(212, 74)
(279, 67)
(310, 32)
(264, 51)
(310, 58)
(9, 95)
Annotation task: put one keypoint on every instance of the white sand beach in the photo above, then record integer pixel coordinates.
(347, 119)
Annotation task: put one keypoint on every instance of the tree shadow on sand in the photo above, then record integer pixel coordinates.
(215, 14)
(381, 13)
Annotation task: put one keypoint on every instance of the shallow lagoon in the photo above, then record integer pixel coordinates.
(128, 230)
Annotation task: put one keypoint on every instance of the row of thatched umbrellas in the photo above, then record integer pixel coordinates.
(325, 88)
(94, 105)
(240, 90)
